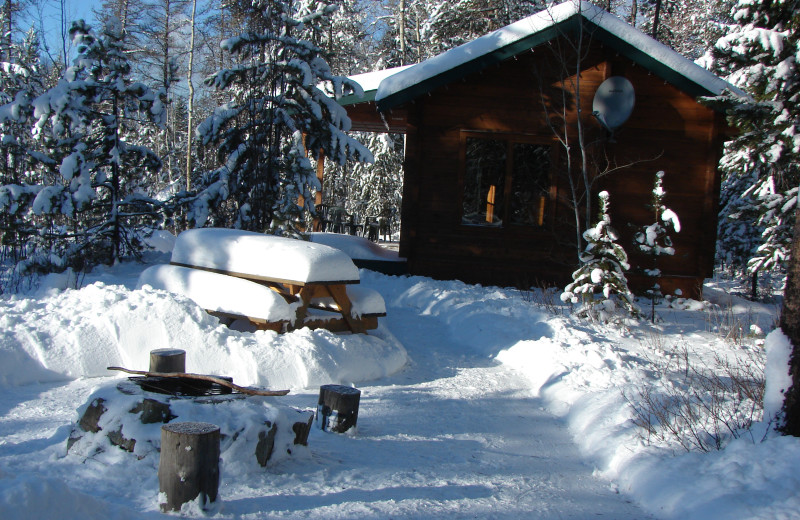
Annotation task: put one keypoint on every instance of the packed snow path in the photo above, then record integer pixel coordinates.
(451, 436)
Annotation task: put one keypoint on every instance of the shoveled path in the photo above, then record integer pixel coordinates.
(451, 436)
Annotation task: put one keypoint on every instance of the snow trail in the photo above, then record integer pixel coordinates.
(454, 435)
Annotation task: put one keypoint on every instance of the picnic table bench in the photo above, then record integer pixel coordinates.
(307, 285)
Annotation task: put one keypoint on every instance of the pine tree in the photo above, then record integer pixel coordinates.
(277, 112)
(654, 240)
(599, 284)
(762, 164)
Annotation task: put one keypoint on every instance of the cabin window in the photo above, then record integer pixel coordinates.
(506, 182)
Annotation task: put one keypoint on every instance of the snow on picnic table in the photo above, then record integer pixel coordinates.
(475, 403)
(258, 254)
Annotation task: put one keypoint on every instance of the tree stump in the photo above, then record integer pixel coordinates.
(189, 464)
(168, 360)
(337, 409)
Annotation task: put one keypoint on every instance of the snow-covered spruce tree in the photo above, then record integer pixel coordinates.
(21, 81)
(654, 240)
(599, 285)
(85, 122)
(277, 111)
(761, 165)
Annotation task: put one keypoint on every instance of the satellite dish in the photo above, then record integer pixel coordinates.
(613, 102)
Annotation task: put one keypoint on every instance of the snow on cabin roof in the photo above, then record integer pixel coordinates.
(406, 85)
(369, 82)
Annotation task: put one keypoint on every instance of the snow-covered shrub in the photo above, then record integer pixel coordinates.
(699, 405)
(599, 285)
(654, 240)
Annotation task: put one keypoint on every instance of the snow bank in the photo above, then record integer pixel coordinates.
(779, 351)
(262, 255)
(584, 379)
(78, 333)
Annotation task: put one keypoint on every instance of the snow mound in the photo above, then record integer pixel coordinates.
(78, 333)
(240, 421)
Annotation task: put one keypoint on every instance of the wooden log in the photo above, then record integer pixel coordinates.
(337, 409)
(189, 464)
(168, 360)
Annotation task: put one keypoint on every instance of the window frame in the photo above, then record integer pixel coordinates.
(510, 140)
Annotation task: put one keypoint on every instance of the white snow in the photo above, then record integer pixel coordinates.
(670, 216)
(357, 248)
(545, 19)
(476, 402)
(779, 350)
(257, 254)
(218, 292)
(370, 81)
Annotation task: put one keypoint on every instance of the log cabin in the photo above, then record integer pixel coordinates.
(499, 133)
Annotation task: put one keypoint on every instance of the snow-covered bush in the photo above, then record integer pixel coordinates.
(654, 240)
(599, 285)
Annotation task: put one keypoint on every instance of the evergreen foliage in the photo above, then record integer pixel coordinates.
(599, 284)
(93, 189)
(654, 240)
(762, 164)
(276, 113)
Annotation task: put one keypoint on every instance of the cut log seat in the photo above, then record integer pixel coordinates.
(223, 296)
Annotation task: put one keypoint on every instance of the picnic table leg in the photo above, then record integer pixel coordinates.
(339, 294)
(306, 293)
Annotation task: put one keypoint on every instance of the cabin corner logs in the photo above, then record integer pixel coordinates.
(515, 101)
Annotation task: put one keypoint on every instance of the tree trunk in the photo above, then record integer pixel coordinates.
(190, 102)
(790, 324)
(655, 19)
(402, 32)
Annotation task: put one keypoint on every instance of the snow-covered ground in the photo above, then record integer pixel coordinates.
(477, 402)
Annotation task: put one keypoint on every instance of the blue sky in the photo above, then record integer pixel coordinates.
(48, 20)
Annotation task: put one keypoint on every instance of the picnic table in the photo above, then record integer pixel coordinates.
(317, 284)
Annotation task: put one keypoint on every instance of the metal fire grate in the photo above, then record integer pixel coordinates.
(179, 386)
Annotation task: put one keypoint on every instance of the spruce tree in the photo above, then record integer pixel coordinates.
(276, 113)
(98, 180)
(654, 241)
(762, 164)
(599, 284)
